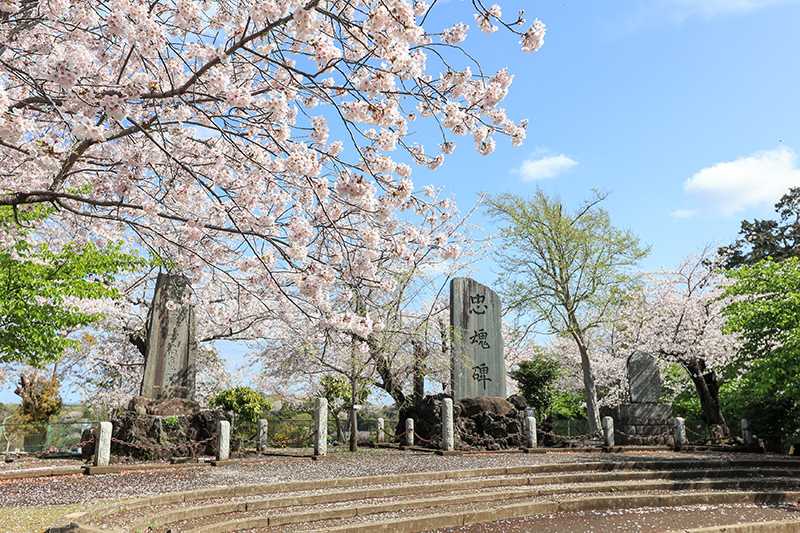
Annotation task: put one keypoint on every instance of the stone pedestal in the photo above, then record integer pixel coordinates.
(642, 423)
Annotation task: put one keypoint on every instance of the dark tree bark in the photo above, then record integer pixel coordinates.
(707, 386)
(420, 359)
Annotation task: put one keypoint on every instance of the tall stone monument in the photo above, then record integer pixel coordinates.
(478, 367)
(171, 351)
(643, 420)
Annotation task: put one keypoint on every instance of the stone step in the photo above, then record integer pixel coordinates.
(399, 490)
(259, 518)
(167, 507)
(432, 521)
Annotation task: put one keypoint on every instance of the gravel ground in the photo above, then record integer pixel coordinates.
(367, 462)
(642, 520)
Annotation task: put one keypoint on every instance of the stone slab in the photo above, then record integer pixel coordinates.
(478, 366)
(171, 352)
(644, 378)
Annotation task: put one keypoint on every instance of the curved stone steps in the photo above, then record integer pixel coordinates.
(431, 521)
(248, 504)
(227, 503)
(259, 518)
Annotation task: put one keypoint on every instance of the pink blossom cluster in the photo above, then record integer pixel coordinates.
(261, 147)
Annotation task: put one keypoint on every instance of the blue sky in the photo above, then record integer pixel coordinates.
(685, 111)
(646, 100)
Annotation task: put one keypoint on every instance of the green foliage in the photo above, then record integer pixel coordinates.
(763, 383)
(36, 283)
(338, 392)
(568, 405)
(768, 239)
(537, 380)
(170, 422)
(564, 267)
(248, 405)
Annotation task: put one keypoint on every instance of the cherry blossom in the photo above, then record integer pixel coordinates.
(261, 148)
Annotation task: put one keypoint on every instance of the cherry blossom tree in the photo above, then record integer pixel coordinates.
(396, 343)
(262, 148)
(678, 317)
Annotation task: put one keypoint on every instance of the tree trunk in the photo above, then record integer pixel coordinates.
(590, 390)
(384, 370)
(339, 432)
(420, 355)
(707, 387)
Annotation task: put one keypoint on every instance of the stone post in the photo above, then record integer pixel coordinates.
(321, 427)
(608, 432)
(747, 432)
(263, 436)
(448, 436)
(409, 431)
(680, 433)
(102, 449)
(530, 432)
(381, 431)
(223, 440)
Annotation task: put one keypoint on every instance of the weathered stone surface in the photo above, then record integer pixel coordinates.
(680, 433)
(223, 440)
(409, 432)
(494, 405)
(608, 431)
(381, 433)
(448, 431)
(263, 435)
(478, 366)
(644, 378)
(642, 413)
(166, 407)
(481, 423)
(171, 351)
(102, 451)
(531, 440)
(321, 427)
(150, 437)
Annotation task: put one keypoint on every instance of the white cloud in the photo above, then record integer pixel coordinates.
(751, 181)
(683, 214)
(545, 167)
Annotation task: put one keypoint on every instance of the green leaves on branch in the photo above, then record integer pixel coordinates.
(40, 287)
(248, 405)
(766, 307)
(765, 385)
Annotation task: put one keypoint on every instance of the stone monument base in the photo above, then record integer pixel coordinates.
(485, 422)
(161, 429)
(641, 423)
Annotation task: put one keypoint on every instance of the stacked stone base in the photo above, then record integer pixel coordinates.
(642, 424)
(484, 423)
(153, 430)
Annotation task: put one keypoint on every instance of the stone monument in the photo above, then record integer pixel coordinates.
(478, 367)
(643, 420)
(171, 351)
